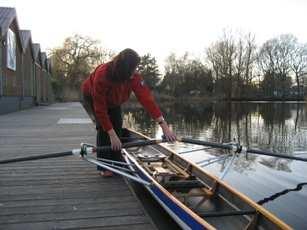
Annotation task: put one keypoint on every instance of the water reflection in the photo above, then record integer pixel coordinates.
(279, 127)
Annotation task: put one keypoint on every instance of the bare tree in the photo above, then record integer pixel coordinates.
(77, 58)
(266, 60)
(221, 56)
(275, 60)
(74, 60)
(232, 61)
(285, 47)
(299, 64)
(250, 58)
(244, 63)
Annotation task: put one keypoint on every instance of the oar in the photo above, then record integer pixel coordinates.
(131, 144)
(37, 157)
(248, 150)
(82, 151)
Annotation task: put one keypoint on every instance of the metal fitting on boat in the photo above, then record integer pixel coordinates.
(76, 151)
(244, 149)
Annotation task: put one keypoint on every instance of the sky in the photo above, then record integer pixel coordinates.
(158, 27)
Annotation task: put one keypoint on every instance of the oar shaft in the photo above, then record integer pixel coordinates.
(131, 144)
(36, 157)
(230, 147)
(68, 153)
(267, 153)
(205, 143)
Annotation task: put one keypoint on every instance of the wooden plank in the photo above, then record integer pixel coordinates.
(105, 200)
(125, 227)
(55, 181)
(79, 223)
(41, 168)
(55, 172)
(41, 189)
(40, 174)
(59, 207)
(73, 195)
(70, 215)
(177, 168)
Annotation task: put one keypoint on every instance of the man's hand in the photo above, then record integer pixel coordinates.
(169, 135)
(116, 144)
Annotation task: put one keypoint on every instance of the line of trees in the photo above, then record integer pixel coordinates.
(186, 76)
(73, 62)
(279, 59)
(234, 68)
(233, 61)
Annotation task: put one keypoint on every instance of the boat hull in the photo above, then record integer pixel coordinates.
(184, 219)
(231, 209)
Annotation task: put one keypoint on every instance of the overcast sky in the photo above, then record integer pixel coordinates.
(158, 26)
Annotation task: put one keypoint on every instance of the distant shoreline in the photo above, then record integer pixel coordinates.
(206, 100)
(209, 99)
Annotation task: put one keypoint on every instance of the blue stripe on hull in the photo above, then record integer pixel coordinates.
(179, 212)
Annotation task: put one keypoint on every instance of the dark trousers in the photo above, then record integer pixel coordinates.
(102, 138)
(87, 102)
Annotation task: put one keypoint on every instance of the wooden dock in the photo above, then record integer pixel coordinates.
(62, 193)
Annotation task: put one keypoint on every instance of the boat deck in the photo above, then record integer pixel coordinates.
(59, 193)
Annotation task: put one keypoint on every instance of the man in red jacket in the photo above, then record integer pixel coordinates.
(109, 86)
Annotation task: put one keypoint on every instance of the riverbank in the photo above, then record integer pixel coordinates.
(167, 99)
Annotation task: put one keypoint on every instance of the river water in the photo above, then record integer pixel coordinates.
(278, 127)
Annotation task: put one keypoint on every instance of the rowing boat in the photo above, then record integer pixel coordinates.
(194, 198)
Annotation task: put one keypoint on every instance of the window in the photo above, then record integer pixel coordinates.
(11, 50)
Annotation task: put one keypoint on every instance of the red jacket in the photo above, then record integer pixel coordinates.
(107, 94)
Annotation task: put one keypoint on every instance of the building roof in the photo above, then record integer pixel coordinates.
(44, 59)
(25, 36)
(7, 15)
(36, 52)
(49, 65)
